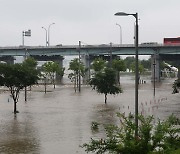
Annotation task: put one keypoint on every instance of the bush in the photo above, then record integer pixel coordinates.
(175, 86)
(160, 138)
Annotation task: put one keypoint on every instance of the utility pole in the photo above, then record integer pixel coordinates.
(25, 33)
(154, 64)
(110, 54)
(136, 66)
(79, 67)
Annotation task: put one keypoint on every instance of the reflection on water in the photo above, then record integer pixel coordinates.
(60, 121)
(18, 135)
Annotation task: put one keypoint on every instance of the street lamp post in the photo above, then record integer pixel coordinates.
(46, 35)
(79, 75)
(136, 67)
(120, 28)
(25, 33)
(154, 64)
(110, 55)
(49, 33)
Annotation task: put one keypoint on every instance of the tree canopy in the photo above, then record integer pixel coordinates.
(104, 82)
(160, 138)
(98, 64)
(18, 76)
(141, 68)
(50, 69)
(176, 86)
(118, 65)
(78, 69)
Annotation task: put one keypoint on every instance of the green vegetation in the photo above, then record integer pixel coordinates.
(161, 138)
(94, 126)
(51, 69)
(143, 64)
(146, 63)
(141, 68)
(118, 65)
(77, 69)
(104, 82)
(175, 86)
(18, 76)
(98, 64)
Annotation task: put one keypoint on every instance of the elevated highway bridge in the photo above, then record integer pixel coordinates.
(103, 49)
(157, 51)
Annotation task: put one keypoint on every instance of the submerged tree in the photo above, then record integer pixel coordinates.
(105, 83)
(50, 69)
(31, 64)
(98, 64)
(140, 67)
(78, 70)
(176, 86)
(118, 65)
(16, 77)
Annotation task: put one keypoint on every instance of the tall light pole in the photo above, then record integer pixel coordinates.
(49, 33)
(154, 64)
(25, 33)
(46, 35)
(136, 65)
(79, 75)
(120, 28)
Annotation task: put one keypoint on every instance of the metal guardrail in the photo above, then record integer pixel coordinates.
(86, 46)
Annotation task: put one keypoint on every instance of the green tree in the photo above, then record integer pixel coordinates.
(16, 77)
(160, 138)
(176, 86)
(128, 61)
(141, 68)
(104, 82)
(31, 64)
(50, 69)
(146, 63)
(77, 69)
(118, 65)
(98, 64)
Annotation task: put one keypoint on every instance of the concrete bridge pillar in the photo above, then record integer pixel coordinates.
(58, 59)
(155, 68)
(7, 59)
(178, 73)
(86, 61)
(60, 62)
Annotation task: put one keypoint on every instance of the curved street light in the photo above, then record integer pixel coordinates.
(46, 35)
(49, 33)
(136, 66)
(120, 32)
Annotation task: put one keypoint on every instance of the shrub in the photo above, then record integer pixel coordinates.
(162, 137)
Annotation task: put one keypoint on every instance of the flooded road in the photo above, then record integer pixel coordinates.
(59, 121)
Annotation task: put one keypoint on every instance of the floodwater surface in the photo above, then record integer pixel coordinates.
(59, 121)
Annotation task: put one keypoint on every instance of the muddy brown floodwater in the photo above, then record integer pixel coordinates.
(59, 121)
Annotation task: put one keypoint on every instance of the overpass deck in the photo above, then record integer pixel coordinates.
(103, 49)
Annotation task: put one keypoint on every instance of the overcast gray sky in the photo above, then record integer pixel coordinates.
(89, 21)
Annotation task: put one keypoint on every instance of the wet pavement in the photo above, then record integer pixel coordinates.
(59, 121)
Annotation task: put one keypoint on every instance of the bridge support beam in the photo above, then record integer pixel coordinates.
(178, 73)
(87, 62)
(7, 59)
(58, 59)
(88, 59)
(155, 68)
(60, 62)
